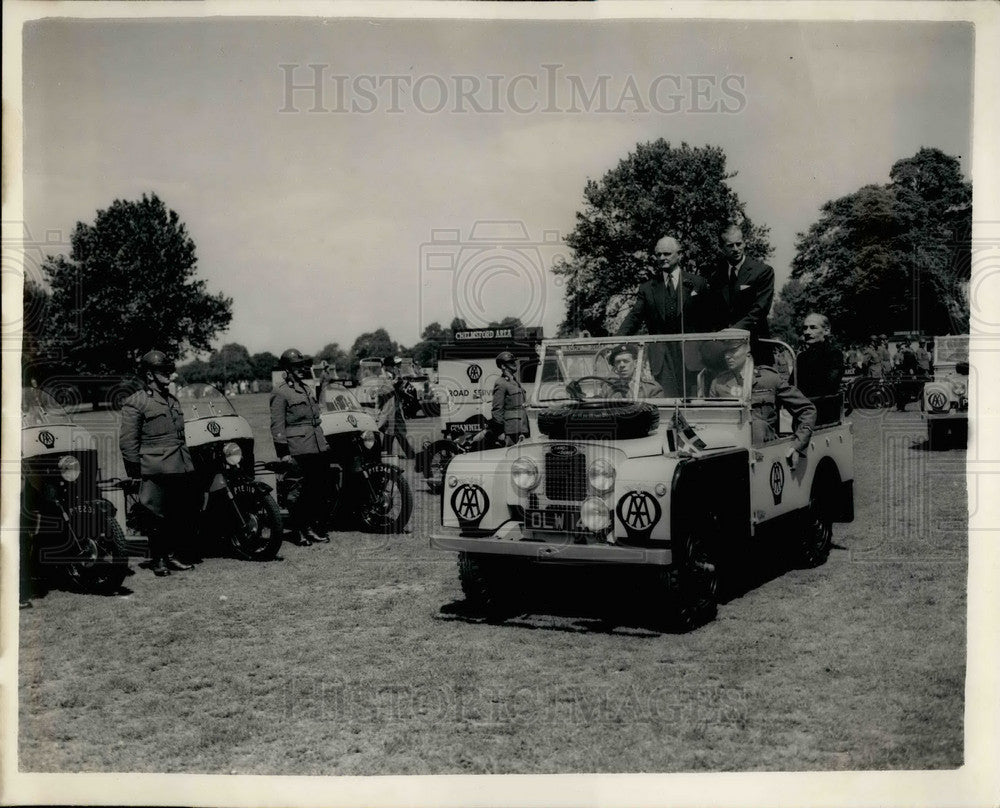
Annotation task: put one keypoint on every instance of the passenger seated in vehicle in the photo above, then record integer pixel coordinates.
(820, 368)
(623, 360)
(767, 393)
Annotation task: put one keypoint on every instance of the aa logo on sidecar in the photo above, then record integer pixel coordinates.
(213, 428)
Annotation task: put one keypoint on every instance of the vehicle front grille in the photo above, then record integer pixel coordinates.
(566, 477)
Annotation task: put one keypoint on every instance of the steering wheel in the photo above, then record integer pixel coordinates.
(576, 391)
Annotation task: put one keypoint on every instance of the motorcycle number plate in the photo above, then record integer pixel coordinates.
(552, 521)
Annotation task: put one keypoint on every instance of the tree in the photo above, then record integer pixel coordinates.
(375, 344)
(230, 363)
(335, 355)
(263, 364)
(790, 308)
(893, 257)
(656, 190)
(128, 286)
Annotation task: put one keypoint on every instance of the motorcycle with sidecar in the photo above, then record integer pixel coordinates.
(237, 509)
(365, 489)
(70, 530)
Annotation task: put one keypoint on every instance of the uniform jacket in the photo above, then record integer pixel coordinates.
(295, 419)
(748, 303)
(768, 394)
(820, 367)
(152, 434)
(660, 312)
(509, 414)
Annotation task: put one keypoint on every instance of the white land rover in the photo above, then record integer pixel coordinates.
(619, 472)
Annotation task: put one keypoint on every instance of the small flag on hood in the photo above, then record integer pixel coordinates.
(681, 436)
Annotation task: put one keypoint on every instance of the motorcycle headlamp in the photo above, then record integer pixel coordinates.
(601, 475)
(69, 468)
(233, 453)
(524, 473)
(368, 439)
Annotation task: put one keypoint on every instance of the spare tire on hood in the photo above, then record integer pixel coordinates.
(609, 420)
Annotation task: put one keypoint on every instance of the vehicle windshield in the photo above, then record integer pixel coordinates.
(369, 368)
(336, 398)
(950, 350)
(659, 368)
(203, 401)
(38, 408)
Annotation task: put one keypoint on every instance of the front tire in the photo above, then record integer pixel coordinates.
(261, 537)
(488, 585)
(105, 564)
(387, 500)
(695, 580)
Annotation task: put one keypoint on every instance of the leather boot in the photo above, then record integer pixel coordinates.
(159, 567)
(174, 564)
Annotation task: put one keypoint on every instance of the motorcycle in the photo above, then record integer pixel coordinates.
(364, 488)
(237, 508)
(70, 529)
(457, 438)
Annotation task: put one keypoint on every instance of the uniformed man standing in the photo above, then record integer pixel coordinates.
(509, 416)
(154, 450)
(767, 393)
(297, 434)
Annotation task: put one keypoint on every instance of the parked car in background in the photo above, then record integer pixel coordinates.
(946, 396)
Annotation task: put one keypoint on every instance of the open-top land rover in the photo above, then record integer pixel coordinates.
(618, 471)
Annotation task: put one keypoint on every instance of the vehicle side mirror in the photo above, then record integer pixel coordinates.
(962, 368)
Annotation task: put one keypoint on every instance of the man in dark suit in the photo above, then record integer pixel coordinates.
(742, 288)
(672, 302)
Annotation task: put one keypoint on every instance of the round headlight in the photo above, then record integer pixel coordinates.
(601, 475)
(524, 473)
(368, 439)
(233, 453)
(595, 515)
(69, 468)
(959, 388)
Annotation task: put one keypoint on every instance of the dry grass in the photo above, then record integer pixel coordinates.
(357, 658)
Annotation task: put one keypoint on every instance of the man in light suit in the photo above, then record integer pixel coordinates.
(742, 288)
(672, 302)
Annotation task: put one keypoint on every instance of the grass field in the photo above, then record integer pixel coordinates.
(358, 657)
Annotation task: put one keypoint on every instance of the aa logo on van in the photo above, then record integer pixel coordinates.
(777, 481)
(470, 503)
(639, 512)
(47, 439)
(474, 372)
(213, 428)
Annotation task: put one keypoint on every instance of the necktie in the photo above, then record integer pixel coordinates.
(670, 282)
(732, 282)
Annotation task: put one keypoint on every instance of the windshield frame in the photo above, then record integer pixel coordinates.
(45, 409)
(555, 350)
(340, 389)
(191, 412)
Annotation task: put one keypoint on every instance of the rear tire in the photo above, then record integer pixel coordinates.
(262, 537)
(816, 537)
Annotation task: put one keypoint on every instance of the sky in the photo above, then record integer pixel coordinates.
(394, 200)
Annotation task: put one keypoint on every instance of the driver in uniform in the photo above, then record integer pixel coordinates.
(768, 392)
(509, 416)
(296, 432)
(623, 360)
(154, 450)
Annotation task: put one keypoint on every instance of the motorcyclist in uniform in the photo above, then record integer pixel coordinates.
(297, 434)
(509, 416)
(154, 450)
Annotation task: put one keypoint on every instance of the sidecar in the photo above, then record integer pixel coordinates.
(69, 528)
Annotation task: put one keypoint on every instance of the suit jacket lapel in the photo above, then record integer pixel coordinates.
(660, 296)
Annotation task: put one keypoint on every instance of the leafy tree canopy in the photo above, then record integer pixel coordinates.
(893, 257)
(128, 286)
(375, 344)
(656, 190)
(335, 355)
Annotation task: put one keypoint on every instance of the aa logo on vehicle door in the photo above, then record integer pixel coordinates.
(352, 420)
(213, 428)
(47, 439)
(470, 503)
(639, 512)
(474, 372)
(777, 481)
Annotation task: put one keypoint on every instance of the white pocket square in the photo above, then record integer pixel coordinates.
(744, 286)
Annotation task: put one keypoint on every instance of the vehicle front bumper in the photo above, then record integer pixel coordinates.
(510, 540)
(952, 415)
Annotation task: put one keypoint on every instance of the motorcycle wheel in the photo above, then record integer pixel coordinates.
(436, 465)
(261, 539)
(105, 564)
(389, 501)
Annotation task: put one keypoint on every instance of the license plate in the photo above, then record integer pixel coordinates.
(555, 521)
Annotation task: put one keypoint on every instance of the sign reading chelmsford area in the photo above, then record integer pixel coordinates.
(484, 333)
